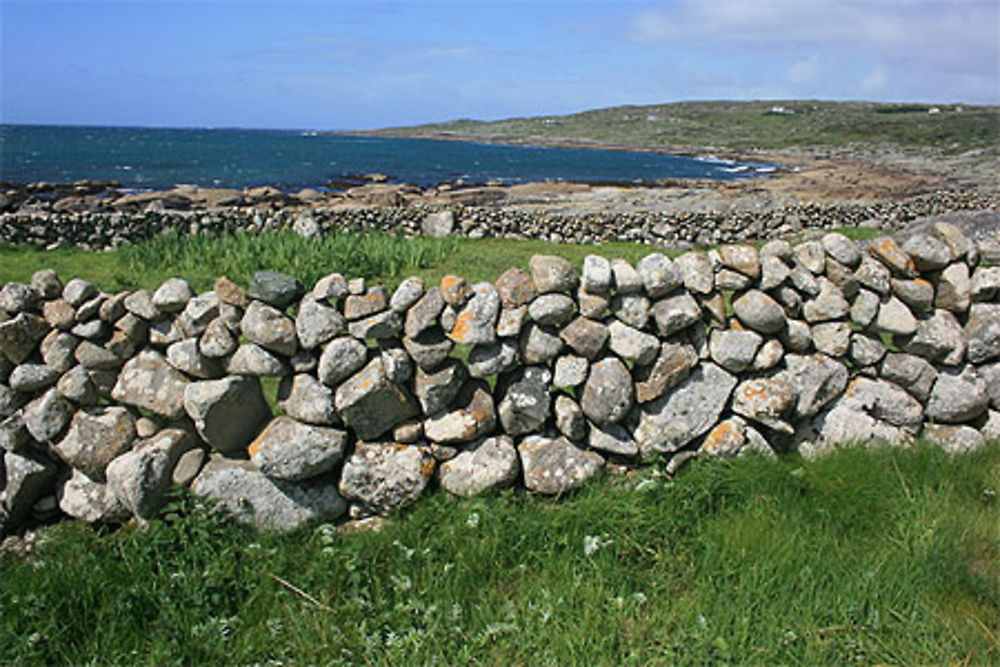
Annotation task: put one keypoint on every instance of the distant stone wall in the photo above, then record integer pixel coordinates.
(42, 226)
(538, 380)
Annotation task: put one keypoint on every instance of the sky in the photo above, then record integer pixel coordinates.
(360, 64)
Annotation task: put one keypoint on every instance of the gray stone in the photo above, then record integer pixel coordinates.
(866, 349)
(476, 323)
(571, 371)
(676, 313)
(78, 290)
(928, 252)
(330, 288)
(511, 321)
(436, 390)
(741, 258)
(198, 313)
(75, 385)
(887, 250)
(585, 336)
(30, 377)
(113, 308)
(779, 248)
(95, 357)
(20, 335)
(407, 294)
(525, 403)
(438, 224)
(811, 255)
(47, 416)
(726, 439)
(164, 333)
(918, 293)
(789, 299)
(92, 330)
(842, 249)
(316, 323)
(551, 274)
(386, 477)
(487, 360)
(341, 358)
(958, 244)
(515, 288)
(631, 344)
(269, 328)
(58, 350)
(86, 500)
(958, 395)
(804, 281)
(865, 308)
(626, 279)
(886, 402)
(188, 466)
(593, 306)
(570, 419)
(690, 410)
(430, 349)
(829, 304)
(253, 360)
(816, 380)
(991, 376)
(398, 365)
(217, 340)
(608, 394)
(733, 349)
(473, 417)
(797, 336)
(275, 289)
(982, 331)
(552, 309)
(695, 272)
(173, 295)
(269, 505)
(357, 306)
(485, 467)
(774, 272)
(985, 283)
(47, 284)
(59, 314)
(895, 318)
(371, 404)
(939, 338)
(672, 366)
(187, 358)
(140, 304)
(305, 399)
(539, 345)
(227, 413)
(424, 313)
(140, 478)
(596, 276)
(832, 338)
(759, 312)
(95, 437)
(912, 373)
(767, 401)
(613, 439)
(293, 451)
(632, 309)
(29, 477)
(873, 275)
(554, 466)
(768, 356)
(386, 324)
(18, 297)
(954, 288)
(954, 439)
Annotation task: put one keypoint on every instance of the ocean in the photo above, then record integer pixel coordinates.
(155, 158)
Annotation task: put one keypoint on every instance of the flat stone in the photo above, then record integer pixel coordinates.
(382, 325)
(741, 258)
(571, 370)
(554, 466)
(28, 377)
(306, 399)
(227, 413)
(371, 404)
(316, 323)
(430, 349)
(539, 345)
(816, 380)
(269, 328)
(895, 318)
(888, 251)
(612, 439)
(473, 417)
(626, 279)
(940, 338)
(608, 394)
(20, 335)
(596, 276)
(832, 338)
(550, 273)
(356, 306)
(690, 410)
(671, 367)
(915, 374)
(407, 294)
(483, 468)
(386, 477)
(734, 350)
(290, 450)
(487, 360)
(676, 313)
(173, 295)
(768, 401)
(274, 288)
(149, 382)
(886, 402)
(726, 440)
(424, 313)
(631, 344)
(585, 336)
(918, 293)
(570, 419)
(525, 402)
(476, 322)
(253, 360)
(188, 466)
(515, 288)
(958, 395)
(267, 504)
(92, 330)
(804, 281)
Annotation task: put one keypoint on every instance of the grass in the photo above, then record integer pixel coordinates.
(888, 556)
(743, 125)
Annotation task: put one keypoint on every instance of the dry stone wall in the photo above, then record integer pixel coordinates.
(539, 380)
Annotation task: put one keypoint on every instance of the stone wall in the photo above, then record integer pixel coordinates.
(538, 380)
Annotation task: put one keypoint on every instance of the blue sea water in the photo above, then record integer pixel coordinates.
(161, 158)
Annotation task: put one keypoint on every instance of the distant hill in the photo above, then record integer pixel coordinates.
(769, 125)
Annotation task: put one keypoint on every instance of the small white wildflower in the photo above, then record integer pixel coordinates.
(639, 597)
(592, 543)
(456, 611)
(407, 551)
(401, 583)
(473, 520)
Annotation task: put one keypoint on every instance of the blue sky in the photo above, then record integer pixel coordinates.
(352, 64)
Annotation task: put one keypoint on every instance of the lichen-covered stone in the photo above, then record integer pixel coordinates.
(386, 477)
(149, 382)
(371, 404)
(525, 401)
(816, 380)
(554, 466)
(306, 399)
(958, 395)
(550, 273)
(676, 313)
(227, 413)
(270, 328)
(290, 450)
(476, 323)
(484, 467)
(95, 437)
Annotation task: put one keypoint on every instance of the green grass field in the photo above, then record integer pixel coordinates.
(742, 125)
(873, 557)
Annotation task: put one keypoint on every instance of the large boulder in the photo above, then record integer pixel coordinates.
(959, 395)
(20, 335)
(140, 479)
(304, 398)
(608, 394)
(552, 274)
(486, 466)
(270, 328)
(149, 382)
(816, 380)
(268, 504)
(293, 451)
(371, 404)
(386, 477)
(227, 413)
(96, 436)
(555, 466)
(526, 400)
